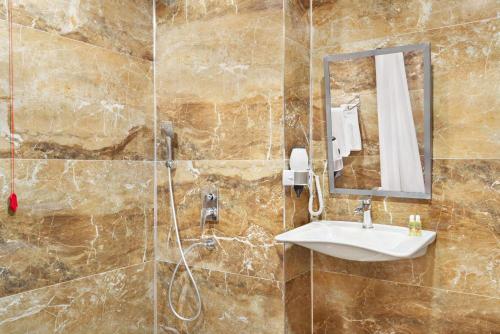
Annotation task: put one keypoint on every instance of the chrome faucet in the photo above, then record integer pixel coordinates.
(365, 208)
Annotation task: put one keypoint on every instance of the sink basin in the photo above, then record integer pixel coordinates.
(348, 240)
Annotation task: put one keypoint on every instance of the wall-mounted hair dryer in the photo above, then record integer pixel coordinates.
(301, 175)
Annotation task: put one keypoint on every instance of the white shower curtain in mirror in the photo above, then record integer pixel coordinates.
(400, 166)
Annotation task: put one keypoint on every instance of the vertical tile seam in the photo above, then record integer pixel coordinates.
(311, 253)
(311, 31)
(155, 183)
(283, 154)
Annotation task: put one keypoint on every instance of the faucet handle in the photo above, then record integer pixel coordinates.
(210, 197)
(208, 215)
(211, 213)
(364, 205)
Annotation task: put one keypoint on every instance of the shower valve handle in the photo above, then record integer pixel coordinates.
(210, 206)
(210, 197)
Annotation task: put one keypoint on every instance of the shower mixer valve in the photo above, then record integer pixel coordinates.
(210, 207)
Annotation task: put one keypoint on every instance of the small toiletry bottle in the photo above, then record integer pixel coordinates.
(418, 226)
(411, 226)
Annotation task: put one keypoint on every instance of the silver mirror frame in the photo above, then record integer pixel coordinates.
(425, 48)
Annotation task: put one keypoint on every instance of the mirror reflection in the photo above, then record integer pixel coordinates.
(377, 106)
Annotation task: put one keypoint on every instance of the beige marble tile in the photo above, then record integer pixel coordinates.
(250, 215)
(124, 26)
(296, 124)
(296, 97)
(247, 130)
(219, 79)
(298, 307)
(454, 49)
(231, 303)
(361, 305)
(361, 20)
(467, 104)
(118, 301)
(77, 101)
(75, 218)
(177, 13)
(297, 22)
(464, 213)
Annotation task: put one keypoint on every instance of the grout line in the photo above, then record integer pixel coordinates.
(312, 289)
(297, 275)
(448, 26)
(146, 161)
(194, 266)
(77, 279)
(411, 32)
(305, 272)
(54, 33)
(283, 156)
(311, 78)
(311, 149)
(411, 285)
(462, 158)
(155, 182)
(218, 160)
(433, 159)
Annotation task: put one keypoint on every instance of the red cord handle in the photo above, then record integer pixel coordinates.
(13, 197)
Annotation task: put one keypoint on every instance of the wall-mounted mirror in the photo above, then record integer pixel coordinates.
(379, 122)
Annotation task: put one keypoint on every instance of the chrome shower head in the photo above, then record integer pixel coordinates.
(167, 128)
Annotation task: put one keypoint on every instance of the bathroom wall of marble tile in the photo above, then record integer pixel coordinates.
(232, 303)
(235, 82)
(220, 81)
(251, 214)
(78, 254)
(116, 301)
(454, 287)
(74, 99)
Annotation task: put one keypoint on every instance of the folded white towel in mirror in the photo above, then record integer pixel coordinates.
(338, 164)
(352, 133)
(339, 132)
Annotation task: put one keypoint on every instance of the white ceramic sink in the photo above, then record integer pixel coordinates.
(348, 240)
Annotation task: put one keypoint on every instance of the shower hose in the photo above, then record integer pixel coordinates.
(182, 261)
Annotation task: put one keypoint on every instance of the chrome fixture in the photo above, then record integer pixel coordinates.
(167, 129)
(365, 208)
(353, 103)
(210, 206)
(209, 243)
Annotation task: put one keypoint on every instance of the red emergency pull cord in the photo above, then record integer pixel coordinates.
(13, 197)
